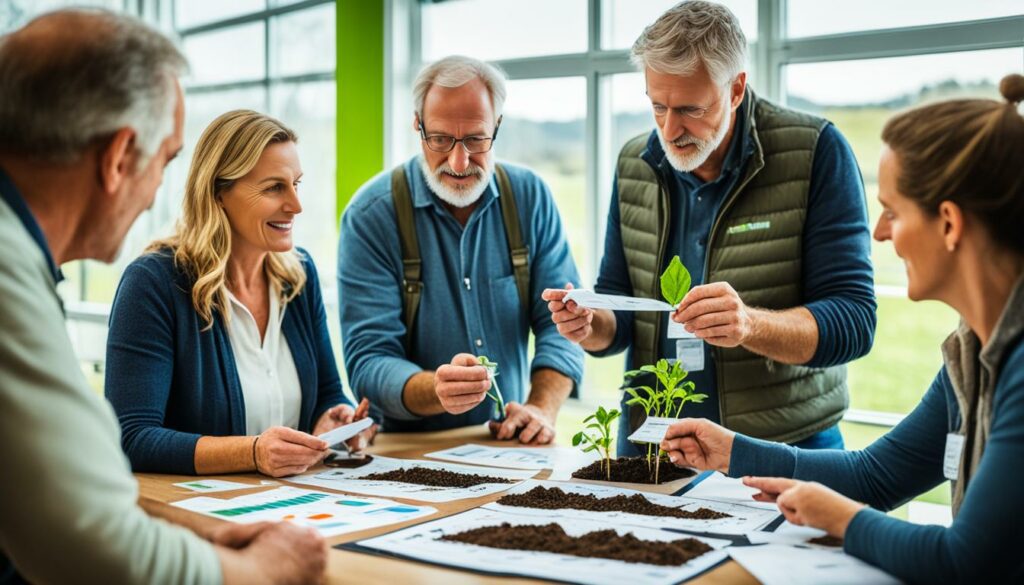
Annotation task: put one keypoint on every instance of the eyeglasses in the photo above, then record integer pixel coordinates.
(472, 144)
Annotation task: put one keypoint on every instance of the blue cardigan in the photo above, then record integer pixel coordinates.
(170, 382)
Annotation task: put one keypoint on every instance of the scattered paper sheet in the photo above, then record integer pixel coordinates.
(510, 457)
(330, 514)
(726, 489)
(420, 542)
(653, 430)
(592, 300)
(776, 564)
(337, 436)
(742, 520)
(787, 533)
(210, 486)
(350, 480)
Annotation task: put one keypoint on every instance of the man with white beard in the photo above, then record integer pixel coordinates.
(442, 260)
(765, 206)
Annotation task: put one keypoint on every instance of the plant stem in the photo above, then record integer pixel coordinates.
(657, 466)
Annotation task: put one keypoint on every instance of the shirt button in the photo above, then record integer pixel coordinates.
(479, 342)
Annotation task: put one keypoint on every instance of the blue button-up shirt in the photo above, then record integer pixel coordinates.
(469, 303)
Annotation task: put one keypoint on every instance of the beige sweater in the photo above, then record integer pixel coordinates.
(68, 511)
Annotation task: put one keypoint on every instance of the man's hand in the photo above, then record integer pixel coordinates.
(715, 313)
(282, 451)
(573, 321)
(289, 554)
(534, 425)
(462, 384)
(343, 414)
(807, 503)
(700, 443)
(237, 536)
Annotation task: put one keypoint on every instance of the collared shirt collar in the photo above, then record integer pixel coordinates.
(423, 196)
(11, 196)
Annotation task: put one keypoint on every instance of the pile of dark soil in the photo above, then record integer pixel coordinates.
(556, 499)
(602, 544)
(826, 541)
(633, 470)
(435, 477)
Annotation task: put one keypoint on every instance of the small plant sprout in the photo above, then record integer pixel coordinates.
(494, 393)
(670, 393)
(601, 441)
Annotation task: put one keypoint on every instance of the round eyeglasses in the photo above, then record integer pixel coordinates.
(445, 143)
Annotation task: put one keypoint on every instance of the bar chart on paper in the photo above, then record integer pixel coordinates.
(330, 514)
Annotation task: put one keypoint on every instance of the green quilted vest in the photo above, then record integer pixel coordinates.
(756, 246)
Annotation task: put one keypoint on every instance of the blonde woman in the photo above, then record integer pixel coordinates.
(218, 357)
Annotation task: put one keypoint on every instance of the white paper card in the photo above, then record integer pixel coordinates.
(677, 330)
(343, 433)
(422, 542)
(954, 449)
(210, 486)
(653, 430)
(726, 489)
(508, 457)
(741, 519)
(592, 300)
(776, 564)
(352, 480)
(329, 514)
(690, 354)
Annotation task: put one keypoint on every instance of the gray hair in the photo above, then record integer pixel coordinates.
(689, 34)
(59, 96)
(456, 71)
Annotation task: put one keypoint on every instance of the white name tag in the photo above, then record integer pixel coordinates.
(677, 330)
(951, 462)
(653, 430)
(690, 353)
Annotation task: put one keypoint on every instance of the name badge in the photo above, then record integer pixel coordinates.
(951, 461)
(690, 353)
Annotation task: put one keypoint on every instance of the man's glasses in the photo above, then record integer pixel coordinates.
(472, 144)
(695, 112)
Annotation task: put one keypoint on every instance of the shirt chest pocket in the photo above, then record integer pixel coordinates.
(505, 308)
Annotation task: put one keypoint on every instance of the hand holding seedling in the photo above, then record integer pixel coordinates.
(716, 313)
(807, 503)
(699, 443)
(462, 384)
(535, 427)
(574, 322)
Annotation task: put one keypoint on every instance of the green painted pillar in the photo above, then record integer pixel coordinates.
(360, 94)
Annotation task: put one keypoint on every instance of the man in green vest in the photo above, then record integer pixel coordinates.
(766, 207)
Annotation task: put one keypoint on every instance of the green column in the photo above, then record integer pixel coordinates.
(360, 94)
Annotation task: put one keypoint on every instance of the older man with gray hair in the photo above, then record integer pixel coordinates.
(90, 113)
(766, 207)
(442, 261)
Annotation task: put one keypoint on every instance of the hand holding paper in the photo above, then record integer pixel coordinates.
(592, 300)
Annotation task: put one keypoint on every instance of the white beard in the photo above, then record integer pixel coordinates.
(688, 163)
(456, 196)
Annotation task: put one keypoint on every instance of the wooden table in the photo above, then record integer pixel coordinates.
(157, 490)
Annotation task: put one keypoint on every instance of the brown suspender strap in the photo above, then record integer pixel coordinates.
(412, 285)
(518, 253)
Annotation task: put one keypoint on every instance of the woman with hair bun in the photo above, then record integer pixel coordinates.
(951, 184)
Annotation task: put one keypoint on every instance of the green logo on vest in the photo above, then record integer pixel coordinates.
(749, 227)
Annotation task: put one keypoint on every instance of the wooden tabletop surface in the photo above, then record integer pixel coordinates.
(157, 490)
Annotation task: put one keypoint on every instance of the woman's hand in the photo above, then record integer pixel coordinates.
(343, 414)
(282, 451)
(807, 503)
(699, 443)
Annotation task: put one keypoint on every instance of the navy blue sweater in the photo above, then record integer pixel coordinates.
(170, 382)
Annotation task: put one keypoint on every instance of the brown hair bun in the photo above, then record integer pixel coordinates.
(1012, 88)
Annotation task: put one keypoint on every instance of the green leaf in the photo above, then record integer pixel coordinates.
(675, 282)
(577, 439)
(592, 447)
(589, 418)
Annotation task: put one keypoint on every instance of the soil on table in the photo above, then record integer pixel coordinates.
(556, 499)
(633, 470)
(435, 477)
(602, 544)
(826, 541)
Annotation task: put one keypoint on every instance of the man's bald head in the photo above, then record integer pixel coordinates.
(72, 77)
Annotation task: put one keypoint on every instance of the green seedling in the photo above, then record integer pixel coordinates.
(601, 441)
(495, 392)
(670, 392)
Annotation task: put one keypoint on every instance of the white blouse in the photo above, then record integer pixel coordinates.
(266, 370)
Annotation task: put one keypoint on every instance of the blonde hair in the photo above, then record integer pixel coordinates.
(228, 149)
(970, 152)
